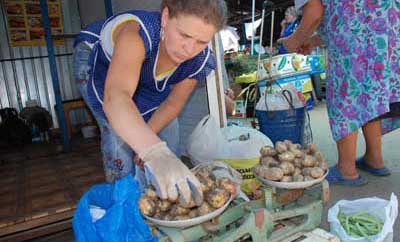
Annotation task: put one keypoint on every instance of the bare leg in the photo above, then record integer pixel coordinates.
(347, 156)
(373, 144)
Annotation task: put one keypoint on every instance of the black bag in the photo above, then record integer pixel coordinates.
(13, 129)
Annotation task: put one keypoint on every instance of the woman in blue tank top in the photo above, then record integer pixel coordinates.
(136, 70)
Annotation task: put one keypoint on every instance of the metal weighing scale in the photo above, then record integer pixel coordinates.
(278, 216)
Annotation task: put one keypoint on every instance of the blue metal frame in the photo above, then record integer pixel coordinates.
(54, 74)
(108, 5)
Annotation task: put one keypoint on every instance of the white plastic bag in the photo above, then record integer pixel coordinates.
(209, 142)
(277, 101)
(380, 208)
(206, 141)
(243, 142)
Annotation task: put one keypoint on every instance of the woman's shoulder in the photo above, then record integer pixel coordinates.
(149, 20)
(201, 57)
(200, 65)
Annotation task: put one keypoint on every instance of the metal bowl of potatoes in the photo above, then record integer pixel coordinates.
(191, 221)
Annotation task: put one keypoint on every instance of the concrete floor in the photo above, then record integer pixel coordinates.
(380, 187)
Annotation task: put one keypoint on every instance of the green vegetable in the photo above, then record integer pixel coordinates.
(361, 224)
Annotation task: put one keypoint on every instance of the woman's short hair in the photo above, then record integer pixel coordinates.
(291, 11)
(212, 11)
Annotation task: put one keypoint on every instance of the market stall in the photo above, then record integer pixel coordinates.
(262, 178)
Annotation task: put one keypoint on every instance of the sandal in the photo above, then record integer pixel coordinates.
(362, 164)
(334, 177)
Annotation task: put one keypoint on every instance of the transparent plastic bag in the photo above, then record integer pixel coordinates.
(386, 210)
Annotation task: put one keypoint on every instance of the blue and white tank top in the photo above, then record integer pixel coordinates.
(150, 93)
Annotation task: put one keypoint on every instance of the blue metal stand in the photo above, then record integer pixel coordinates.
(54, 74)
(108, 5)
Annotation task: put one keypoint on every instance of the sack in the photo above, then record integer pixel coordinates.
(244, 167)
(205, 142)
(385, 210)
(242, 142)
(242, 152)
(110, 213)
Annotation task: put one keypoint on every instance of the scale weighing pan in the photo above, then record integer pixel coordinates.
(290, 185)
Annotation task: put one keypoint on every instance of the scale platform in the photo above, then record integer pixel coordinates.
(279, 216)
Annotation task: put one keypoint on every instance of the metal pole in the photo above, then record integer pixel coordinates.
(109, 10)
(253, 10)
(54, 74)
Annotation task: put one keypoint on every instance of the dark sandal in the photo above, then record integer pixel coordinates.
(334, 177)
(362, 164)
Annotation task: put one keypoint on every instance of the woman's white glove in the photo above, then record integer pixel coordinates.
(169, 176)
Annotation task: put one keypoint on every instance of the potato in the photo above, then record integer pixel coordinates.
(204, 209)
(311, 149)
(297, 153)
(147, 206)
(227, 185)
(204, 173)
(178, 210)
(287, 168)
(294, 147)
(287, 179)
(316, 172)
(297, 162)
(217, 198)
(287, 142)
(319, 156)
(217, 194)
(267, 151)
(298, 178)
(269, 161)
(259, 169)
(168, 217)
(159, 214)
(163, 205)
(297, 171)
(193, 213)
(306, 171)
(323, 165)
(286, 156)
(186, 204)
(273, 173)
(150, 193)
(207, 184)
(308, 161)
(308, 178)
(280, 147)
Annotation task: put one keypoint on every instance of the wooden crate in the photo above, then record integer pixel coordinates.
(39, 196)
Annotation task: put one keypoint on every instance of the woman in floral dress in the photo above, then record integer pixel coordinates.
(363, 42)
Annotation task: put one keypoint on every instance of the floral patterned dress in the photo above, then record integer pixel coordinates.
(363, 39)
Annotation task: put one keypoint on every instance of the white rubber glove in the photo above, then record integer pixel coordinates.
(169, 176)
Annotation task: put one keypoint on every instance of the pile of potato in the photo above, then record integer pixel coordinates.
(288, 162)
(216, 194)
